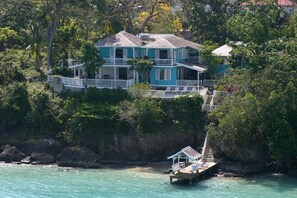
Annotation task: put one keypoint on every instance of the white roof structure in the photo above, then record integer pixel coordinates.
(223, 51)
(187, 152)
(121, 39)
(166, 41)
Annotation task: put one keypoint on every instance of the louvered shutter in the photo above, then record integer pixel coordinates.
(125, 53)
(157, 54)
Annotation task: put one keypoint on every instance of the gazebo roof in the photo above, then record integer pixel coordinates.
(189, 152)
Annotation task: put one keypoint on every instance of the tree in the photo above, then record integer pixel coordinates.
(208, 19)
(7, 37)
(91, 59)
(141, 65)
(210, 60)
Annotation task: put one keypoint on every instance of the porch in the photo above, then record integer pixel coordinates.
(98, 83)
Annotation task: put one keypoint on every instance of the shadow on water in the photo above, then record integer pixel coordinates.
(185, 185)
(277, 183)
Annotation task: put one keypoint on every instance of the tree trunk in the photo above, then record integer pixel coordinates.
(51, 33)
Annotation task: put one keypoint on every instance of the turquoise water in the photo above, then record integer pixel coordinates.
(38, 181)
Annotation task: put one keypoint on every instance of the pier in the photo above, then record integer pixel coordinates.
(188, 164)
(194, 171)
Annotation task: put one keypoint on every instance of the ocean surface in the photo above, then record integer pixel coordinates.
(51, 181)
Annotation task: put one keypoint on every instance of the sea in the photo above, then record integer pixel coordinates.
(28, 181)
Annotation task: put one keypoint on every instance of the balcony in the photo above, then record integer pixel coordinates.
(98, 83)
(116, 61)
(163, 62)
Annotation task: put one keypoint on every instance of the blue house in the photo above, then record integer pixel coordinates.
(177, 62)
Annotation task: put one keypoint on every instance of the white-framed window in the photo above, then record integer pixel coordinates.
(163, 74)
(183, 53)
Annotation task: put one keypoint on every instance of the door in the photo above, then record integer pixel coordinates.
(123, 73)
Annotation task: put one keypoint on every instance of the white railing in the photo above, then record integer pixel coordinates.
(209, 83)
(163, 62)
(116, 61)
(187, 82)
(73, 82)
(99, 83)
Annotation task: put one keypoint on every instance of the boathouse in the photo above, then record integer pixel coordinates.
(187, 154)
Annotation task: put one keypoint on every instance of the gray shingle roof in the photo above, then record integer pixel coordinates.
(171, 41)
(122, 38)
(125, 39)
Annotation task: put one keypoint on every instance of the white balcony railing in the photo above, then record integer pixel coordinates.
(188, 82)
(99, 83)
(116, 61)
(163, 62)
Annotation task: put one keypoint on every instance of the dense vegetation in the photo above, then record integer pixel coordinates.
(257, 120)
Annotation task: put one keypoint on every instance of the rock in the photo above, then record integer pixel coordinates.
(78, 157)
(49, 146)
(42, 158)
(11, 154)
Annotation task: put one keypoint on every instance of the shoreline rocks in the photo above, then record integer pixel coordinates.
(78, 156)
(11, 154)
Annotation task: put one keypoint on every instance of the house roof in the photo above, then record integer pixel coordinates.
(199, 68)
(279, 2)
(120, 39)
(170, 41)
(189, 152)
(223, 51)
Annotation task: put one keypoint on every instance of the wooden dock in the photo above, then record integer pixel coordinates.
(193, 172)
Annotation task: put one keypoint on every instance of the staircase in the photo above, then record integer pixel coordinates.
(207, 105)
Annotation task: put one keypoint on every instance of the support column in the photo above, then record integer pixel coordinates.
(133, 50)
(100, 72)
(115, 73)
(114, 55)
(79, 72)
(172, 56)
(198, 81)
(74, 72)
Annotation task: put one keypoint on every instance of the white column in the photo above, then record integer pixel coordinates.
(115, 73)
(172, 56)
(198, 82)
(79, 72)
(133, 49)
(114, 55)
(74, 72)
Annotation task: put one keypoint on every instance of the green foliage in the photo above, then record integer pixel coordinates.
(7, 38)
(10, 69)
(14, 106)
(143, 115)
(44, 116)
(91, 59)
(261, 112)
(142, 65)
(210, 60)
(208, 19)
(185, 112)
(259, 24)
(139, 90)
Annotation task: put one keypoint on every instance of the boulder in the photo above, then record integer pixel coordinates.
(11, 154)
(78, 156)
(42, 158)
(50, 146)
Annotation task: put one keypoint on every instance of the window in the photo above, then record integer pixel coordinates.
(119, 53)
(163, 54)
(183, 53)
(163, 74)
